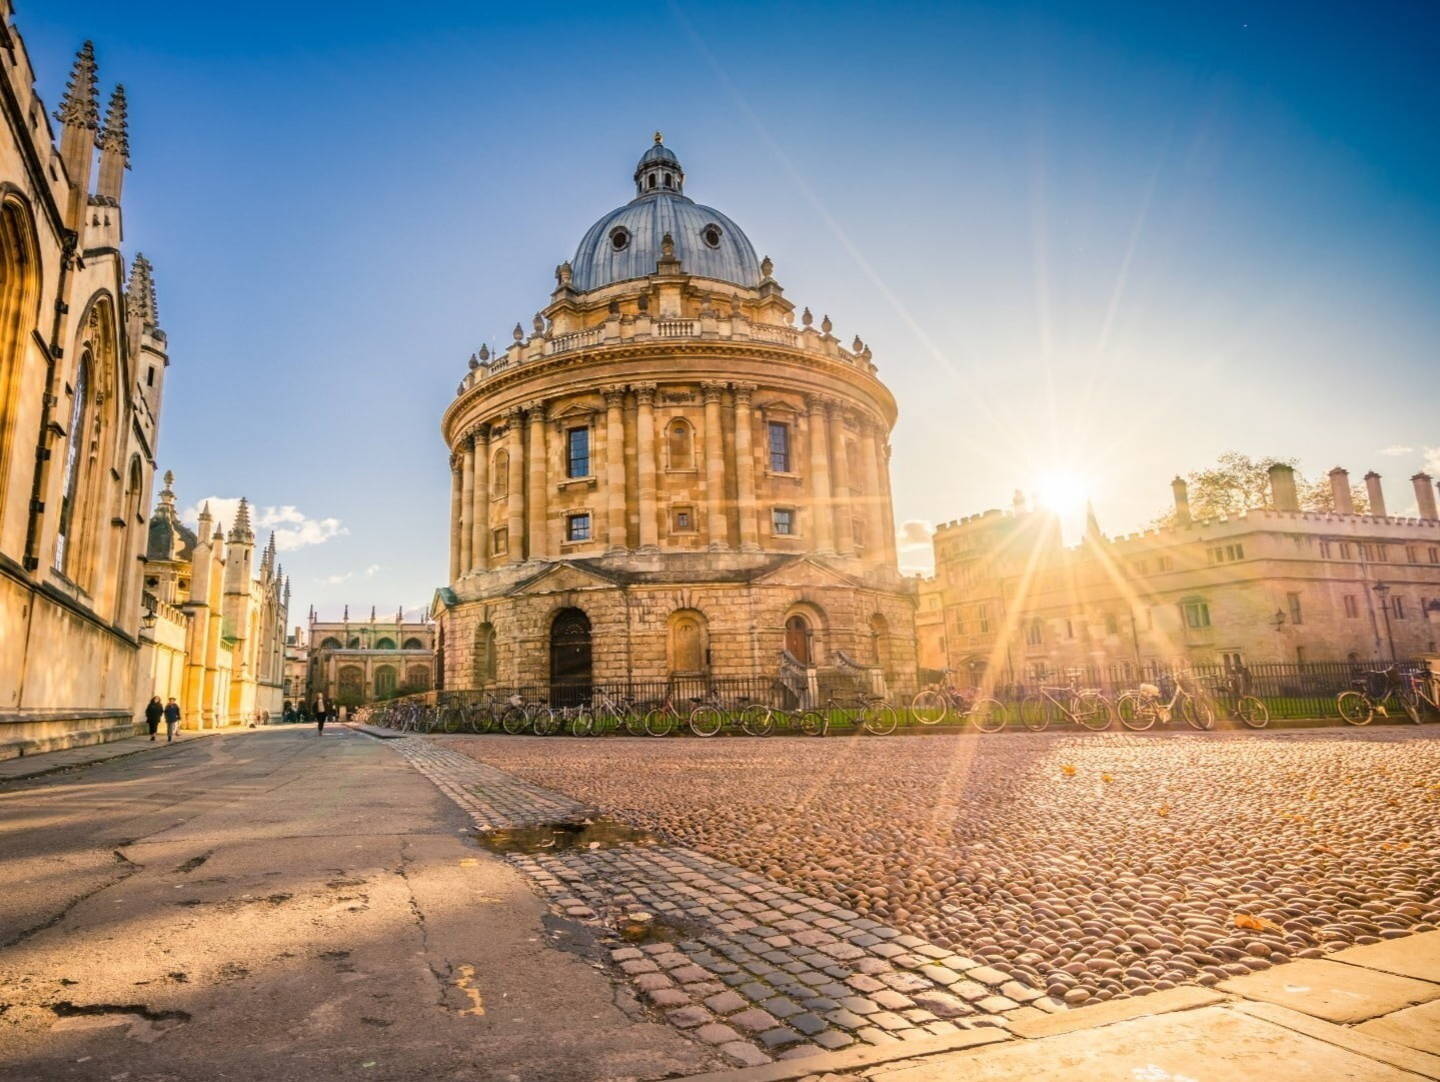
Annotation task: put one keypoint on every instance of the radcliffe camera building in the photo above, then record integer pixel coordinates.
(666, 477)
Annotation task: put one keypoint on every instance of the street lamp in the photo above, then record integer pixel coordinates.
(1382, 591)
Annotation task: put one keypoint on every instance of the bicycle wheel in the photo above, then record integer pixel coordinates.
(635, 721)
(544, 721)
(879, 719)
(659, 722)
(582, 723)
(1253, 711)
(707, 720)
(756, 720)
(814, 723)
(989, 715)
(1355, 707)
(1034, 713)
(452, 719)
(1199, 712)
(482, 719)
(1093, 711)
(514, 721)
(929, 707)
(1134, 712)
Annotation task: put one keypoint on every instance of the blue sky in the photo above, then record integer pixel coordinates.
(1110, 239)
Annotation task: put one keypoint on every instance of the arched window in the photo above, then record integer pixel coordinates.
(669, 181)
(413, 644)
(680, 443)
(352, 684)
(570, 659)
(330, 644)
(485, 661)
(385, 677)
(417, 678)
(70, 492)
(689, 649)
(880, 642)
(130, 512)
(18, 289)
(385, 644)
(353, 644)
(500, 475)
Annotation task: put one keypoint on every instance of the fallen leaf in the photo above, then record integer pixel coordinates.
(1106, 778)
(1068, 770)
(1163, 810)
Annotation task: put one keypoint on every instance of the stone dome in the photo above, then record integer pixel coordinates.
(627, 242)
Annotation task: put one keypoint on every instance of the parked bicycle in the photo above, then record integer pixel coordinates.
(1232, 693)
(1376, 692)
(938, 703)
(868, 713)
(1086, 707)
(1150, 703)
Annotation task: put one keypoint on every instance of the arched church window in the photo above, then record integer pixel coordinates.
(414, 644)
(681, 442)
(688, 648)
(669, 181)
(64, 541)
(385, 644)
(651, 180)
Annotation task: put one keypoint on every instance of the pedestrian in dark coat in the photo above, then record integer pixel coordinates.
(172, 719)
(153, 713)
(320, 715)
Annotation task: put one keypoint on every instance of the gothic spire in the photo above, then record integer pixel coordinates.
(140, 294)
(114, 135)
(241, 531)
(78, 105)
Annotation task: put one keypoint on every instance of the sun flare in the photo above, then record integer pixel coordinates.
(1063, 492)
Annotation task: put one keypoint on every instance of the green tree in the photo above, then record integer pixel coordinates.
(1239, 483)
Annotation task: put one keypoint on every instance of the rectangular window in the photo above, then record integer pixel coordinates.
(1352, 607)
(1235, 552)
(150, 376)
(1295, 614)
(500, 541)
(1069, 629)
(1324, 550)
(983, 614)
(1399, 603)
(1112, 625)
(1034, 633)
(779, 437)
(1365, 553)
(1382, 554)
(1344, 550)
(1197, 614)
(1434, 554)
(682, 520)
(1165, 563)
(1412, 554)
(577, 528)
(782, 521)
(578, 448)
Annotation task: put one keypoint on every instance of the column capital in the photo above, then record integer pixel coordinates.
(536, 411)
(480, 433)
(743, 391)
(644, 393)
(711, 390)
(454, 461)
(615, 396)
(819, 403)
(512, 415)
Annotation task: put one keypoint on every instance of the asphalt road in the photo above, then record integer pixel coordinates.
(273, 905)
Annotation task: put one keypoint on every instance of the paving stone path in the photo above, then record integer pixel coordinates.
(756, 969)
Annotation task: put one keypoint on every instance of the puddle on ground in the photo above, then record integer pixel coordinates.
(657, 929)
(550, 837)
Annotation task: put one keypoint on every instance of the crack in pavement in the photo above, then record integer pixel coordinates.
(127, 868)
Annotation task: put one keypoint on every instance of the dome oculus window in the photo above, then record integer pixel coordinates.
(620, 239)
(711, 235)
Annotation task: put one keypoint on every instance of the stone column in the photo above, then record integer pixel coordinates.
(515, 487)
(645, 464)
(480, 509)
(887, 505)
(745, 470)
(840, 467)
(454, 517)
(873, 499)
(467, 503)
(538, 504)
(615, 468)
(716, 528)
(820, 518)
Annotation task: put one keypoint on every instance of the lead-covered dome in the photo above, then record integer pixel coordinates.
(628, 242)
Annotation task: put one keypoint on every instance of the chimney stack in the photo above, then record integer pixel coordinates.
(1424, 495)
(1282, 488)
(1182, 501)
(1377, 497)
(1340, 488)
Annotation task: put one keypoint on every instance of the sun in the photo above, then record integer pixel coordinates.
(1063, 492)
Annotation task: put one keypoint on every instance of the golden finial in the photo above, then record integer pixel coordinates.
(658, 137)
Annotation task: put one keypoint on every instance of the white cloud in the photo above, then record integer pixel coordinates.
(335, 580)
(1395, 450)
(1432, 461)
(293, 529)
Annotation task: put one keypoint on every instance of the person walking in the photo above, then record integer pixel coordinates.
(320, 715)
(172, 719)
(154, 711)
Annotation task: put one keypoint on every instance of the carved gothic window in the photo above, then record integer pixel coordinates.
(74, 439)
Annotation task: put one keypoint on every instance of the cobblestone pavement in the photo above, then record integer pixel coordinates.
(1090, 866)
(749, 966)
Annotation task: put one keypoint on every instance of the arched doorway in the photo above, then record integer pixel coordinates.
(799, 639)
(570, 663)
